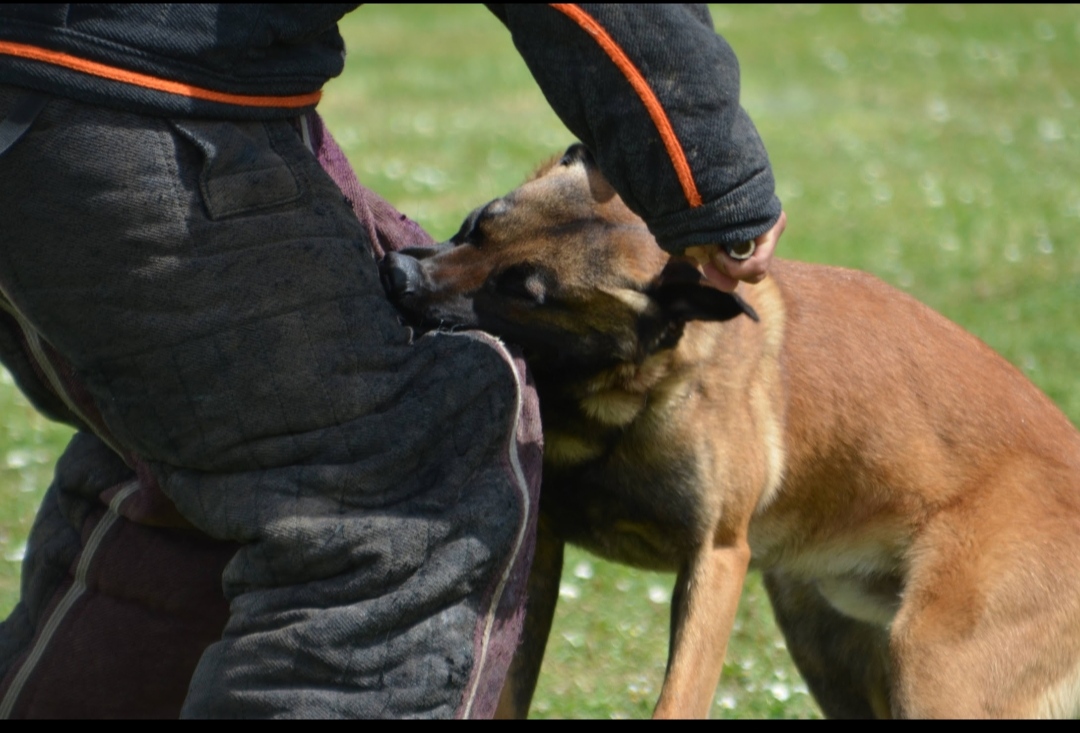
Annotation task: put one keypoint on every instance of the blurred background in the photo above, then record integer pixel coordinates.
(937, 147)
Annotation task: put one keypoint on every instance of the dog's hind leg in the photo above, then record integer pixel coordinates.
(845, 662)
(542, 593)
(702, 614)
(990, 621)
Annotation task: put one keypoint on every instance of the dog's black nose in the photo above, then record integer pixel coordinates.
(401, 274)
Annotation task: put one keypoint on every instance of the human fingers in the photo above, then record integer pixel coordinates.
(725, 272)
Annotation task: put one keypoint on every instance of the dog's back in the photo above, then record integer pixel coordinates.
(883, 392)
(929, 489)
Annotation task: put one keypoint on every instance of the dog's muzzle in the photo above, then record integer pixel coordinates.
(401, 276)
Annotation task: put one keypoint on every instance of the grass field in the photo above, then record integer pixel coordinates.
(935, 146)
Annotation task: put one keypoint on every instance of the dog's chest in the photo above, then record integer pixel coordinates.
(622, 495)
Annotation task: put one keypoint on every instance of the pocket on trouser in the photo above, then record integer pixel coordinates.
(242, 171)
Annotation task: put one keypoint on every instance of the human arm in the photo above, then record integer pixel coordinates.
(654, 93)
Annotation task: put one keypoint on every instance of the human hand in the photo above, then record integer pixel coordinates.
(725, 272)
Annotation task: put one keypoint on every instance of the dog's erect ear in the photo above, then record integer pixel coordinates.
(683, 295)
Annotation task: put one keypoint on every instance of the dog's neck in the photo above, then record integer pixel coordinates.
(614, 397)
(585, 419)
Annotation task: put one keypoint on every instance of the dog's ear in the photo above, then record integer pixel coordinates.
(683, 295)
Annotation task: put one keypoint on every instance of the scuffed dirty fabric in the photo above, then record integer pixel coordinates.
(281, 502)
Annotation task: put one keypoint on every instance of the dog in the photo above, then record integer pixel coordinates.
(912, 500)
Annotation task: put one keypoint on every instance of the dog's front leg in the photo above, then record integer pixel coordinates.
(543, 593)
(702, 613)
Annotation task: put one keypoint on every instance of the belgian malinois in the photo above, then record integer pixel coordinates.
(912, 499)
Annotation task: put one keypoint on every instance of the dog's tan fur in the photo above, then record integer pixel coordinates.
(912, 499)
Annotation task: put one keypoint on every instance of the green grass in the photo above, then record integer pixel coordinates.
(937, 147)
(29, 446)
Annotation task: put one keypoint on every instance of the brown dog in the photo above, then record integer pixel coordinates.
(912, 499)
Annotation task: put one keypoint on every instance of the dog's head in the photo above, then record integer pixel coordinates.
(561, 267)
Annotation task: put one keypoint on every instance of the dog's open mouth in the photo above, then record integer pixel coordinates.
(409, 288)
(542, 330)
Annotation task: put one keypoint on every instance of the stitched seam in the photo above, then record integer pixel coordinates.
(523, 488)
(77, 589)
(238, 325)
(37, 351)
(645, 93)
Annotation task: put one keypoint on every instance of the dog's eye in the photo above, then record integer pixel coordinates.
(523, 281)
(468, 233)
(576, 153)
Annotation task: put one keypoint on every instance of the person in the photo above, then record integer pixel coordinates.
(280, 501)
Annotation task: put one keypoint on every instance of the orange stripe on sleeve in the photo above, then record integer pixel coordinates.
(146, 81)
(644, 91)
